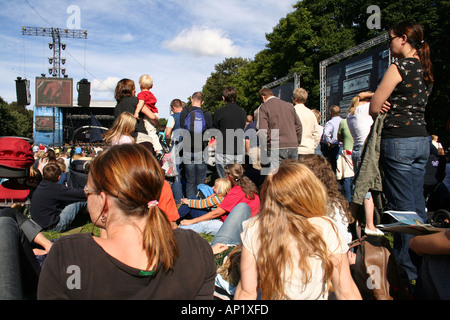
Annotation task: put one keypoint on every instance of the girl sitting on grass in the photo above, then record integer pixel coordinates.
(197, 208)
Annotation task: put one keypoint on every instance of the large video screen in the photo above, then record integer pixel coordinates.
(350, 77)
(54, 92)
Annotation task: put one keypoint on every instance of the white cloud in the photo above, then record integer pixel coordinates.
(203, 41)
(128, 37)
(107, 85)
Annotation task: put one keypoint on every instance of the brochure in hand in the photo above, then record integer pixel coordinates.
(408, 222)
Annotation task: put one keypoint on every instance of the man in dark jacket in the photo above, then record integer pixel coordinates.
(54, 206)
(230, 121)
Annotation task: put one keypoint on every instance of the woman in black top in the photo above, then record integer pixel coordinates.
(405, 148)
(140, 256)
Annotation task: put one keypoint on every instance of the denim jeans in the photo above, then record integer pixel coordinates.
(223, 159)
(67, 215)
(19, 268)
(177, 188)
(195, 169)
(271, 159)
(227, 232)
(230, 232)
(403, 162)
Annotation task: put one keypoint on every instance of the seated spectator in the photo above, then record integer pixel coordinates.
(240, 203)
(141, 257)
(54, 206)
(433, 282)
(292, 249)
(19, 268)
(338, 208)
(196, 208)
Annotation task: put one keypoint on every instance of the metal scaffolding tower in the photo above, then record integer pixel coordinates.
(56, 34)
(345, 54)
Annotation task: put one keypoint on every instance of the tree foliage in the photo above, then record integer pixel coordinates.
(15, 120)
(318, 29)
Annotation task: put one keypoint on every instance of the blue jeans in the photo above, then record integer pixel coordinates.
(19, 268)
(177, 188)
(403, 162)
(195, 170)
(223, 159)
(271, 159)
(67, 215)
(230, 232)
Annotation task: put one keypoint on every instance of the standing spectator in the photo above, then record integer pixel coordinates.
(318, 117)
(126, 101)
(404, 148)
(311, 133)
(344, 163)
(193, 158)
(330, 142)
(359, 123)
(280, 129)
(230, 121)
(173, 138)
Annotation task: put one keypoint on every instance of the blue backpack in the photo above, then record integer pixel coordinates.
(195, 121)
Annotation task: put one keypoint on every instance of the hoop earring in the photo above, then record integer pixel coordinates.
(103, 219)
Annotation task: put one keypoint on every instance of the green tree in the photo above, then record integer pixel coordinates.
(15, 120)
(221, 77)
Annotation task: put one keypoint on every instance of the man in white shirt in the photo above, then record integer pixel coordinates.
(310, 128)
(330, 142)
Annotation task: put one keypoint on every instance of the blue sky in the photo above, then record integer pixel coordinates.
(177, 42)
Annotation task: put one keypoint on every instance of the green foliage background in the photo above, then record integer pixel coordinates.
(319, 29)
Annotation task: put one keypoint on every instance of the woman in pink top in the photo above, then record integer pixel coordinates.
(121, 130)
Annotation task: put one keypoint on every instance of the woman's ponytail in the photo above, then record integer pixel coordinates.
(158, 239)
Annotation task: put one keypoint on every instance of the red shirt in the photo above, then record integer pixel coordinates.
(235, 196)
(149, 100)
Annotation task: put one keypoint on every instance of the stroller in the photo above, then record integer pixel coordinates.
(16, 160)
(78, 170)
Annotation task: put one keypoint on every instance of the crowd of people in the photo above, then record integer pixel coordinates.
(282, 190)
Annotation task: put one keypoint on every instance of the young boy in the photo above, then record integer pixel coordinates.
(54, 206)
(147, 99)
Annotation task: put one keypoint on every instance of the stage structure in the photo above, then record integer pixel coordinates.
(284, 87)
(55, 92)
(339, 83)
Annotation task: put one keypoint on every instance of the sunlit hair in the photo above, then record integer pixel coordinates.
(321, 167)
(288, 198)
(236, 173)
(124, 88)
(131, 175)
(146, 81)
(415, 37)
(230, 269)
(300, 95)
(222, 185)
(124, 125)
(356, 100)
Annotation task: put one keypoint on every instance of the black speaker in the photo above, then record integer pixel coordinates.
(23, 92)
(84, 93)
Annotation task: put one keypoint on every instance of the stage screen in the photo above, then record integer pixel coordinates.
(350, 77)
(54, 92)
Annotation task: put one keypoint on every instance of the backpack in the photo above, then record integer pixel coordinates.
(195, 121)
(204, 191)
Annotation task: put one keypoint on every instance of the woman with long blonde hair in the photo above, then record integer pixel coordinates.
(122, 130)
(140, 256)
(291, 249)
